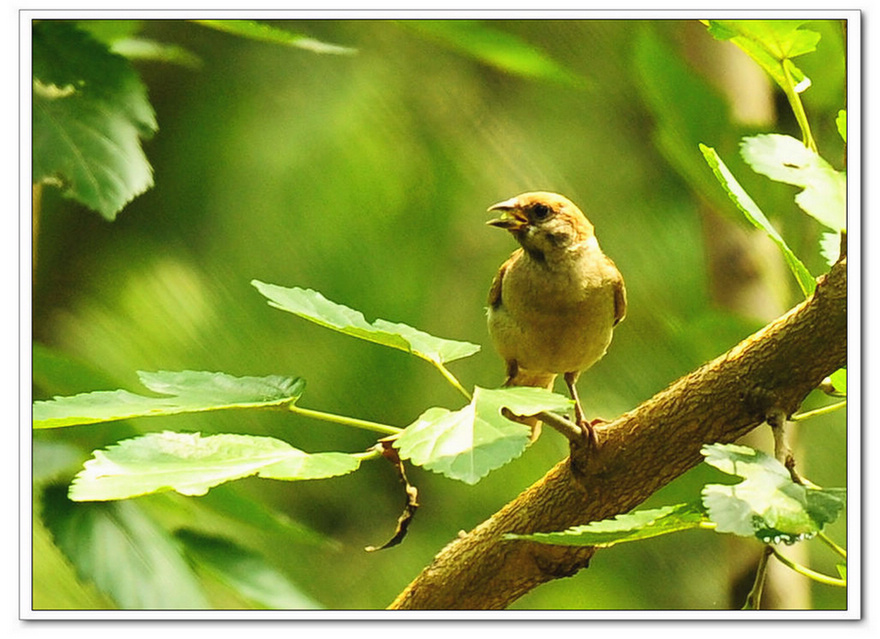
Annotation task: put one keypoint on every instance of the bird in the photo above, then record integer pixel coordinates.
(555, 301)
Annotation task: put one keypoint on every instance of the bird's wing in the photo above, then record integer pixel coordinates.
(619, 298)
(495, 289)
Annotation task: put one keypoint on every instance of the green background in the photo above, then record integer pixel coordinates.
(367, 177)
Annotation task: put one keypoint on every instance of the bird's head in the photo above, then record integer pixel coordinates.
(542, 222)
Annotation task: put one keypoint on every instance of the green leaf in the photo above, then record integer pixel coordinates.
(263, 32)
(249, 574)
(641, 524)
(496, 48)
(754, 214)
(124, 553)
(841, 124)
(469, 443)
(192, 464)
(186, 392)
(767, 504)
(838, 380)
(90, 111)
(771, 43)
(316, 308)
(785, 159)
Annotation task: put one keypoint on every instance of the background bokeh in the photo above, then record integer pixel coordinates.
(367, 178)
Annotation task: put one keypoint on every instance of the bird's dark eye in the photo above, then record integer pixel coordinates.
(541, 212)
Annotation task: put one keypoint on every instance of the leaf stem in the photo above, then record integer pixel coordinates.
(364, 424)
(840, 551)
(798, 107)
(806, 572)
(824, 410)
(451, 379)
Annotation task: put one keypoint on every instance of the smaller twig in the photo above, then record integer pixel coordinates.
(828, 542)
(387, 450)
(806, 572)
(568, 428)
(753, 599)
(777, 419)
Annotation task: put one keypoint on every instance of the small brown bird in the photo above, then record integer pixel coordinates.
(554, 303)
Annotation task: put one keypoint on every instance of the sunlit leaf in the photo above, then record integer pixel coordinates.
(754, 214)
(469, 443)
(264, 32)
(767, 504)
(249, 574)
(124, 553)
(316, 308)
(641, 524)
(785, 159)
(841, 124)
(771, 43)
(192, 464)
(185, 392)
(90, 111)
(497, 48)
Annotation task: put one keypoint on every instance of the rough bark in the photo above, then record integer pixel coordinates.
(637, 454)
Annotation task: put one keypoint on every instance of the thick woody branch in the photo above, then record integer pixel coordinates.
(771, 371)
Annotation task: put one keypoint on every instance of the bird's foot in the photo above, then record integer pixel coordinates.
(589, 432)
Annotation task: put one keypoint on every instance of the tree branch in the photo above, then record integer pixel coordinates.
(644, 449)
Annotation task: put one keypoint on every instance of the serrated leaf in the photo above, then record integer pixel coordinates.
(90, 110)
(192, 464)
(249, 574)
(469, 443)
(754, 214)
(263, 32)
(641, 524)
(313, 306)
(767, 504)
(505, 51)
(785, 159)
(186, 392)
(771, 43)
(125, 553)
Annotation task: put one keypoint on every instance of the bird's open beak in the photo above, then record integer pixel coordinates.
(512, 218)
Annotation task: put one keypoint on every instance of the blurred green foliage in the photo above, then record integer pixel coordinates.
(367, 177)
